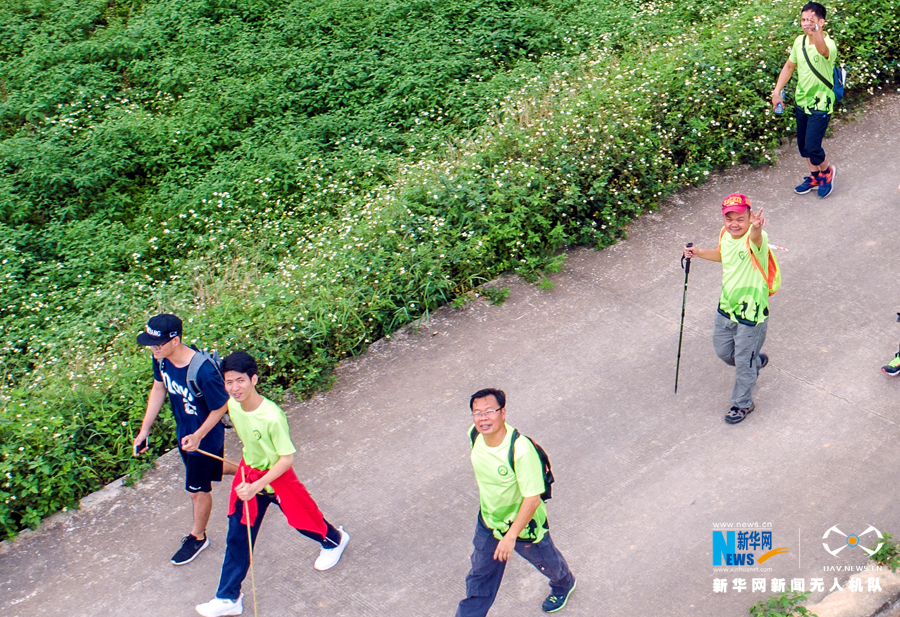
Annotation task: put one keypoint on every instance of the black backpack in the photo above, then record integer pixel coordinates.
(197, 361)
(545, 460)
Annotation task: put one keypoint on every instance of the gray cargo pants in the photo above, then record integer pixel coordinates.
(738, 345)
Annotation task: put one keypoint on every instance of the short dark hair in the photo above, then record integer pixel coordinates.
(816, 8)
(500, 395)
(240, 362)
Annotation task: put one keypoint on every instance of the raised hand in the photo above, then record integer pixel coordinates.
(757, 220)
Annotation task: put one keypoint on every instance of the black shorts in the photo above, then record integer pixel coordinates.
(201, 471)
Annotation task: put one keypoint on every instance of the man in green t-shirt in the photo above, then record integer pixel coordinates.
(512, 516)
(741, 318)
(265, 476)
(814, 55)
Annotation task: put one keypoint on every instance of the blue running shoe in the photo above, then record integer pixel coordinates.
(809, 183)
(554, 602)
(825, 180)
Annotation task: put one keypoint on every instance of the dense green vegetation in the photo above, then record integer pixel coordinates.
(298, 178)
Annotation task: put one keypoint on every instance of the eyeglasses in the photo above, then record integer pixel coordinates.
(481, 414)
(160, 346)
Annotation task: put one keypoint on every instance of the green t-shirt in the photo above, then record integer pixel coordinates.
(264, 433)
(812, 93)
(745, 294)
(502, 491)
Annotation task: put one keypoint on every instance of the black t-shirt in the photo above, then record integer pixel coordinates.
(191, 413)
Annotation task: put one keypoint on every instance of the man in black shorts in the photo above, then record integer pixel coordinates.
(814, 54)
(198, 416)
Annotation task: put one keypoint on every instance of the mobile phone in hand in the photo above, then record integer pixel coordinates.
(142, 446)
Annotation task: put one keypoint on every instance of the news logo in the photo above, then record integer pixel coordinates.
(743, 548)
(852, 540)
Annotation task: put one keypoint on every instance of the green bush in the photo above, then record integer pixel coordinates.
(888, 553)
(298, 179)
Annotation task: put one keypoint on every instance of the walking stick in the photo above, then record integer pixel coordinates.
(250, 543)
(247, 517)
(687, 270)
(218, 458)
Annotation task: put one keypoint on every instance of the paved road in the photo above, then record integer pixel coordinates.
(643, 475)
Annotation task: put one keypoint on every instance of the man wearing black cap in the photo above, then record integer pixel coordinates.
(197, 420)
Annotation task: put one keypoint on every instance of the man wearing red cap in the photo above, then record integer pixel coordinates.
(741, 318)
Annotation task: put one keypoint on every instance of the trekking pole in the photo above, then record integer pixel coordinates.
(686, 265)
(250, 543)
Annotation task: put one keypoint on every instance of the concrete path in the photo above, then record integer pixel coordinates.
(643, 475)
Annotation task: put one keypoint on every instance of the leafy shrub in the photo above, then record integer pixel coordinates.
(496, 295)
(300, 179)
(888, 554)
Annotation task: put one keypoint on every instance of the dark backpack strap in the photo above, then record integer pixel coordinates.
(813, 69)
(473, 435)
(197, 361)
(512, 449)
(548, 472)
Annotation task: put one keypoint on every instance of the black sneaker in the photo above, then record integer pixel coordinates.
(190, 548)
(893, 367)
(554, 603)
(737, 414)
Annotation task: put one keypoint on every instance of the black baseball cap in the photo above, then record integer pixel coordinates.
(160, 330)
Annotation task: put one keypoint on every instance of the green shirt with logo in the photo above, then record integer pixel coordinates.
(745, 294)
(501, 491)
(812, 93)
(264, 433)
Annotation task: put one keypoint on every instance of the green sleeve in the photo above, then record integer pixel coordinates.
(763, 248)
(280, 435)
(529, 472)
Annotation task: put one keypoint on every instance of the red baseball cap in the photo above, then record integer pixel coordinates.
(736, 202)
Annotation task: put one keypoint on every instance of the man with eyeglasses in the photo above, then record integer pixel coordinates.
(197, 421)
(512, 516)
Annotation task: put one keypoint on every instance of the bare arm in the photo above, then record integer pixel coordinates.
(190, 443)
(247, 491)
(506, 546)
(757, 221)
(708, 254)
(786, 72)
(154, 405)
(817, 38)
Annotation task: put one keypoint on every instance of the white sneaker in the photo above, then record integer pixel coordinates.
(217, 607)
(329, 557)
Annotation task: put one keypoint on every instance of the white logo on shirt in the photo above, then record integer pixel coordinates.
(186, 396)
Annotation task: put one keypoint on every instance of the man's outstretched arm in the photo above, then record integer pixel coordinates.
(708, 254)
